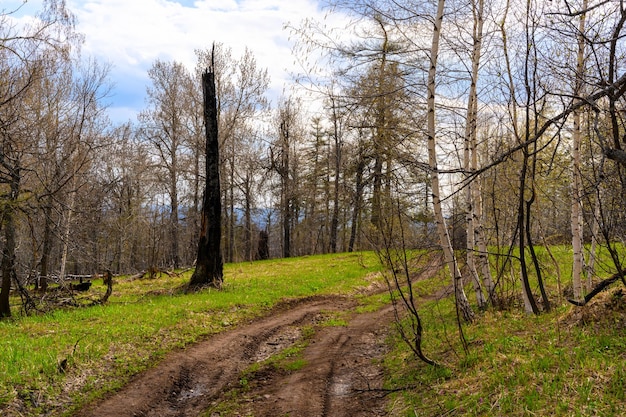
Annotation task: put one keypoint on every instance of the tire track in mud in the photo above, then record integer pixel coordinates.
(186, 382)
(342, 378)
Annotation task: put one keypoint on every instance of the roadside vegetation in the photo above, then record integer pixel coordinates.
(570, 361)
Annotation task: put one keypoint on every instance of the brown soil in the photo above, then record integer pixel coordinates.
(340, 377)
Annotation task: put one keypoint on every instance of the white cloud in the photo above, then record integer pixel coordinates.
(132, 34)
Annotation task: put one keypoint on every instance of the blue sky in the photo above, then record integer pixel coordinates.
(131, 34)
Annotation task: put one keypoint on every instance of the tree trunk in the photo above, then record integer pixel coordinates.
(529, 300)
(231, 216)
(442, 230)
(8, 262)
(284, 132)
(358, 198)
(595, 230)
(264, 246)
(248, 216)
(481, 242)
(334, 223)
(42, 283)
(209, 263)
(576, 214)
(66, 232)
(469, 156)
(175, 258)
(196, 198)
(7, 265)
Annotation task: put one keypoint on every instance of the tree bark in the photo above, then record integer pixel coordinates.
(358, 197)
(66, 231)
(209, 263)
(442, 230)
(174, 216)
(42, 283)
(284, 133)
(7, 265)
(576, 214)
(469, 156)
(334, 224)
(247, 192)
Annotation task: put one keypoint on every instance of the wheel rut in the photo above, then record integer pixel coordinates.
(342, 376)
(188, 382)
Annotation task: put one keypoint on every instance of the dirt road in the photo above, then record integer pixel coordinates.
(339, 379)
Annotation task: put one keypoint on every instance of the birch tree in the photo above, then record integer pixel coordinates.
(577, 212)
(442, 228)
(23, 54)
(472, 193)
(165, 125)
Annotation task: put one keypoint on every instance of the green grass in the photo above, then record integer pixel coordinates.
(516, 366)
(103, 346)
(569, 362)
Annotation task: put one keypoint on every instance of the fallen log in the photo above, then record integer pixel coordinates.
(597, 289)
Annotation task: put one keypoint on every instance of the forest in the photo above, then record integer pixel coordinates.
(478, 127)
(446, 166)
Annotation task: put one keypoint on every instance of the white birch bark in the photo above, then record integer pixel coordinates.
(66, 232)
(477, 199)
(576, 214)
(442, 230)
(469, 156)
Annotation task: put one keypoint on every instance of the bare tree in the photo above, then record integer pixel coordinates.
(165, 123)
(472, 197)
(241, 86)
(577, 212)
(23, 55)
(442, 229)
(283, 162)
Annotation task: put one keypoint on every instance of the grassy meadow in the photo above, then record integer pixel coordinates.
(570, 361)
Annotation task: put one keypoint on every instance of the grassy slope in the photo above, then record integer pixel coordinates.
(569, 362)
(144, 319)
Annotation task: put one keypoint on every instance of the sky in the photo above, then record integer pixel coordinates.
(131, 34)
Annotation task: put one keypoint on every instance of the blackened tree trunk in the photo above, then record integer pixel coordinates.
(358, 199)
(284, 132)
(209, 264)
(264, 246)
(7, 265)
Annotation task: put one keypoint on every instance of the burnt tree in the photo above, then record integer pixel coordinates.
(209, 264)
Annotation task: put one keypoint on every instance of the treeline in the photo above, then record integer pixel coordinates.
(514, 136)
